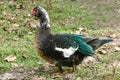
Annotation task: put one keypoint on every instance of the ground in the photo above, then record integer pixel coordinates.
(18, 59)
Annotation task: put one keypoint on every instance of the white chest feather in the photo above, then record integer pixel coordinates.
(67, 52)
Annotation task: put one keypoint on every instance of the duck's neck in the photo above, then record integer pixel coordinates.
(44, 29)
(44, 20)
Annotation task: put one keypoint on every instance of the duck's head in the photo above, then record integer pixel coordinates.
(39, 11)
(42, 15)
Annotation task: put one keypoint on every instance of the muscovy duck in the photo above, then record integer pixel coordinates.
(62, 49)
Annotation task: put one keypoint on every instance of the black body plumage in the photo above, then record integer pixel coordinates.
(62, 49)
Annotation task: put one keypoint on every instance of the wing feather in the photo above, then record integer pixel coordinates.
(65, 41)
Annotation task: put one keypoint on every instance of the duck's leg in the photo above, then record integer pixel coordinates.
(73, 63)
(74, 67)
(59, 67)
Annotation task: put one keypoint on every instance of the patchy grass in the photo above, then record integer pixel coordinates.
(17, 35)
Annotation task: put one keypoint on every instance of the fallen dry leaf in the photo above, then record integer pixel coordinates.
(27, 20)
(14, 65)
(2, 21)
(15, 39)
(20, 6)
(102, 51)
(5, 28)
(4, 13)
(89, 59)
(10, 58)
(32, 25)
(113, 36)
(118, 10)
(38, 78)
(8, 76)
(114, 64)
(1, 36)
(25, 56)
(30, 33)
(29, 15)
(47, 66)
(11, 30)
(20, 35)
(15, 25)
(77, 32)
(117, 49)
(69, 76)
(9, 16)
(56, 75)
(12, 2)
(79, 78)
(82, 29)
